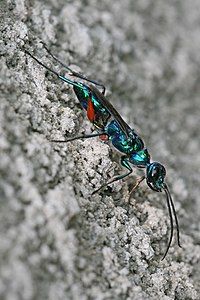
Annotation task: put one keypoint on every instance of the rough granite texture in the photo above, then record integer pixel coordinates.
(56, 240)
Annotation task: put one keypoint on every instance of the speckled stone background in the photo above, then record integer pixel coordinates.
(57, 241)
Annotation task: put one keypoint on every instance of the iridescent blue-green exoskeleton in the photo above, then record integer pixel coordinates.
(110, 126)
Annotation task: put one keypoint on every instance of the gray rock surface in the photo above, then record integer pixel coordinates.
(57, 241)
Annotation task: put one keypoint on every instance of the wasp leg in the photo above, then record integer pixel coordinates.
(79, 137)
(138, 181)
(74, 73)
(124, 163)
(63, 78)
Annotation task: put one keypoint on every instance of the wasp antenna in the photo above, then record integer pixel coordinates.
(175, 216)
(171, 219)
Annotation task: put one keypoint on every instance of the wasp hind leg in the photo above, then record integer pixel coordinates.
(74, 73)
(86, 136)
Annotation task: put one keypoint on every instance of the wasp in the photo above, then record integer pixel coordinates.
(111, 127)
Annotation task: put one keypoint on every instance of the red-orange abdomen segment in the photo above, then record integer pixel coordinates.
(90, 110)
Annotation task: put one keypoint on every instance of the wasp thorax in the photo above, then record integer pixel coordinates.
(140, 158)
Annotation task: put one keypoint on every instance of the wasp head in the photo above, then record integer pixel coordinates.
(155, 176)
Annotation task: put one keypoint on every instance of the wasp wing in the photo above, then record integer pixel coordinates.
(102, 99)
